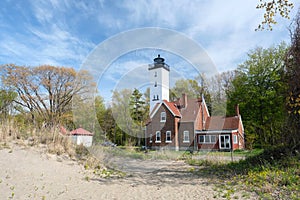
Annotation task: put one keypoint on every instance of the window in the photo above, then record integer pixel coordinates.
(155, 74)
(207, 139)
(150, 138)
(224, 141)
(158, 137)
(162, 116)
(213, 139)
(168, 137)
(186, 136)
(155, 84)
(201, 138)
(235, 139)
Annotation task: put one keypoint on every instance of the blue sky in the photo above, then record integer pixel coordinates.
(64, 32)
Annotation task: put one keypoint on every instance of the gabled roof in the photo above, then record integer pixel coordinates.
(222, 123)
(169, 105)
(80, 131)
(190, 113)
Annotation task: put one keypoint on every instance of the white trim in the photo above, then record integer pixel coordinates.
(235, 139)
(215, 131)
(224, 140)
(161, 116)
(169, 141)
(203, 101)
(240, 119)
(155, 110)
(207, 142)
(188, 134)
(158, 141)
(157, 107)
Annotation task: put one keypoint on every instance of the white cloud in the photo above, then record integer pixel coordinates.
(63, 32)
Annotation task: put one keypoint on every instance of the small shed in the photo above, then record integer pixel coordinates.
(82, 136)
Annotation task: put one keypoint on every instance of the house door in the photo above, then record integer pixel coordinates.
(224, 141)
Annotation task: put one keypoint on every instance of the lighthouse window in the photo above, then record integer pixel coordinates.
(155, 74)
(155, 85)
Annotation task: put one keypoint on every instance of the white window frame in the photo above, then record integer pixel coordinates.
(150, 138)
(156, 134)
(213, 136)
(207, 139)
(163, 117)
(168, 141)
(186, 134)
(235, 139)
(226, 140)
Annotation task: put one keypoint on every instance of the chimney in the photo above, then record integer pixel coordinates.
(237, 110)
(184, 100)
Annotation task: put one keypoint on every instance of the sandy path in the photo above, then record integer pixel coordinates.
(29, 174)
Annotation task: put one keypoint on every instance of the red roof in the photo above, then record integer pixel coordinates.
(222, 123)
(80, 131)
(172, 108)
(190, 112)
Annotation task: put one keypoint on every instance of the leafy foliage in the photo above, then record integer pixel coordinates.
(6, 103)
(272, 8)
(259, 89)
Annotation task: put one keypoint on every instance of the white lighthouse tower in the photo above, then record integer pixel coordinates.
(159, 81)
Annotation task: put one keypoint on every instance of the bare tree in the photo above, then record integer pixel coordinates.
(46, 91)
(293, 77)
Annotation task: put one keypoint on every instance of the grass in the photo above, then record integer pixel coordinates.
(271, 174)
(50, 140)
(136, 153)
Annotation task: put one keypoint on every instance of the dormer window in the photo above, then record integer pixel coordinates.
(163, 117)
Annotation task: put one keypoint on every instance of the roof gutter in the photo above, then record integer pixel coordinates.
(215, 131)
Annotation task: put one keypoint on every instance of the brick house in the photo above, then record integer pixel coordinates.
(186, 123)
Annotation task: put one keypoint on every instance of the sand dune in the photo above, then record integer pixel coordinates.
(29, 173)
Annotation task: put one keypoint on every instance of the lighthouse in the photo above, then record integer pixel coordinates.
(159, 81)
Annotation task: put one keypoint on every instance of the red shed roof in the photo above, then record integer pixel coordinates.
(222, 123)
(80, 131)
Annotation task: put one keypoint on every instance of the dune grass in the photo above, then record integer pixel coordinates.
(272, 174)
